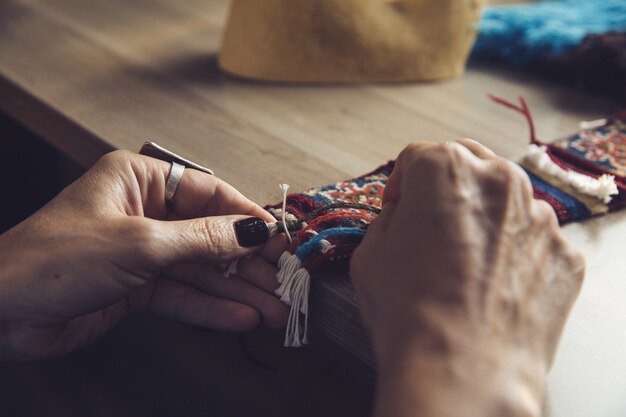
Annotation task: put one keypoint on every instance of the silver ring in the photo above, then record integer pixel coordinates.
(173, 179)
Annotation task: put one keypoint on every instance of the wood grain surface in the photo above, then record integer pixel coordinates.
(89, 77)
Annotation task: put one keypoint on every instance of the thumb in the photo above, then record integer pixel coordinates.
(218, 239)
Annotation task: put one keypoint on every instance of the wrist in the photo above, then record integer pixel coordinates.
(440, 379)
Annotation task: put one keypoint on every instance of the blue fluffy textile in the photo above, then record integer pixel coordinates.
(546, 28)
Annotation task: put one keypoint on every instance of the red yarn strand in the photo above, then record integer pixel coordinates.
(523, 109)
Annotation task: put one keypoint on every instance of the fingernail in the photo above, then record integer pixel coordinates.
(252, 231)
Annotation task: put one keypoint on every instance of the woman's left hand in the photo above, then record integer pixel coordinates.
(109, 245)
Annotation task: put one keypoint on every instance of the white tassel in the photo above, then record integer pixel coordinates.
(231, 269)
(601, 188)
(290, 286)
(290, 271)
(278, 214)
(304, 309)
(295, 283)
(296, 335)
(288, 264)
(291, 336)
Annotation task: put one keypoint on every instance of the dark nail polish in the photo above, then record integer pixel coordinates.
(251, 232)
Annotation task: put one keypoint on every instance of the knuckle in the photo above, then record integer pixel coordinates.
(415, 151)
(544, 214)
(223, 195)
(512, 178)
(579, 265)
(498, 176)
(436, 158)
(115, 158)
(502, 170)
(575, 261)
(412, 149)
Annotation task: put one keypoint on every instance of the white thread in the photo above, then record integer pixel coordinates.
(294, 289)
(285, 187)
(326, 246)
(601, 188)
(284, 259)
(295, 334)
(231, 269)
(288, 264)
(278, 213)
(292, 329)
(291, 286)
(305, 309)
(284, 291)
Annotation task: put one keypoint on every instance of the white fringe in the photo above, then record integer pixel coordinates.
(278, 214)
(296, 335)
(601, 188)
(295, 284)
(231, 269)
(288, 264)
(326, 246)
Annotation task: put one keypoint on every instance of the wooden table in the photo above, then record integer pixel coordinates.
(89, 77)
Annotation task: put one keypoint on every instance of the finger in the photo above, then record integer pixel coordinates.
(258, 272)
(210, 280)
(217, 239)
(198, 194)
(477, 148)
(274, 247)
(391, 192)
(404, 160)
(384, 219)
(182, 302)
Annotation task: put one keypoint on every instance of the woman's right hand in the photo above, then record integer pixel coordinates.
(466, 283)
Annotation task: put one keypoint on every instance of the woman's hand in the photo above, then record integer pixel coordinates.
(108, 246)
(466, 283)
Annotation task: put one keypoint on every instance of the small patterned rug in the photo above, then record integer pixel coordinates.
(580, 176)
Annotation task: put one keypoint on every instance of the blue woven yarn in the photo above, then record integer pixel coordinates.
(522, 33)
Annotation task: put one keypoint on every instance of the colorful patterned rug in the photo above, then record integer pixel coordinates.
(579, 176)
(329, 224)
